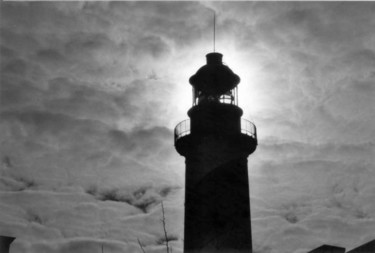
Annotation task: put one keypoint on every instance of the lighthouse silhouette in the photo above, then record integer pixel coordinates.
(216, 143)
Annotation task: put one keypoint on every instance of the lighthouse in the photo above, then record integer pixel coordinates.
(216, 143)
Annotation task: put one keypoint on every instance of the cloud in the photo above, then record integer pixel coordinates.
(66, 215)
(74, 245)
(144, 198)
(152, 45)
(295, 186)
(305, 55)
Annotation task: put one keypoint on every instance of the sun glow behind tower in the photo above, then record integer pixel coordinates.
(245, 66)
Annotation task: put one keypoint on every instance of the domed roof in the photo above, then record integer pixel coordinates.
(214, 78)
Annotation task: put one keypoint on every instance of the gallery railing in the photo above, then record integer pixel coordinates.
(183, 128)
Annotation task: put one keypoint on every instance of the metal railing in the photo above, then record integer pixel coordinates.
(248, 128)
(183, 128)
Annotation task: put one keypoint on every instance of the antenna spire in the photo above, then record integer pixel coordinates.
(214, 29)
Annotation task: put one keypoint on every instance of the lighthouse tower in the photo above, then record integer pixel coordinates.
(216, 143)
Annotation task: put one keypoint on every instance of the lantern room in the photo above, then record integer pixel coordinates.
(214, 82)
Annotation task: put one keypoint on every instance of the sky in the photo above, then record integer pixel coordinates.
(91, 93)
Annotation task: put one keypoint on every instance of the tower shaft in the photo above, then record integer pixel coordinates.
(217, 207)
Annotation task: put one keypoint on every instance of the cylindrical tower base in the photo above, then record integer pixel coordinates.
(217, 204)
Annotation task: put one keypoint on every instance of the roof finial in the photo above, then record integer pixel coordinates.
(214, 29)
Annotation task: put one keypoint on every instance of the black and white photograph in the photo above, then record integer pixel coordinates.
(187, 127)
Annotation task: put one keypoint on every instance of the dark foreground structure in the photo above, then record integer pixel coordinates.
(216, 143)
(5, 242)
(365, 248)
(328, 249)
(368, 247)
